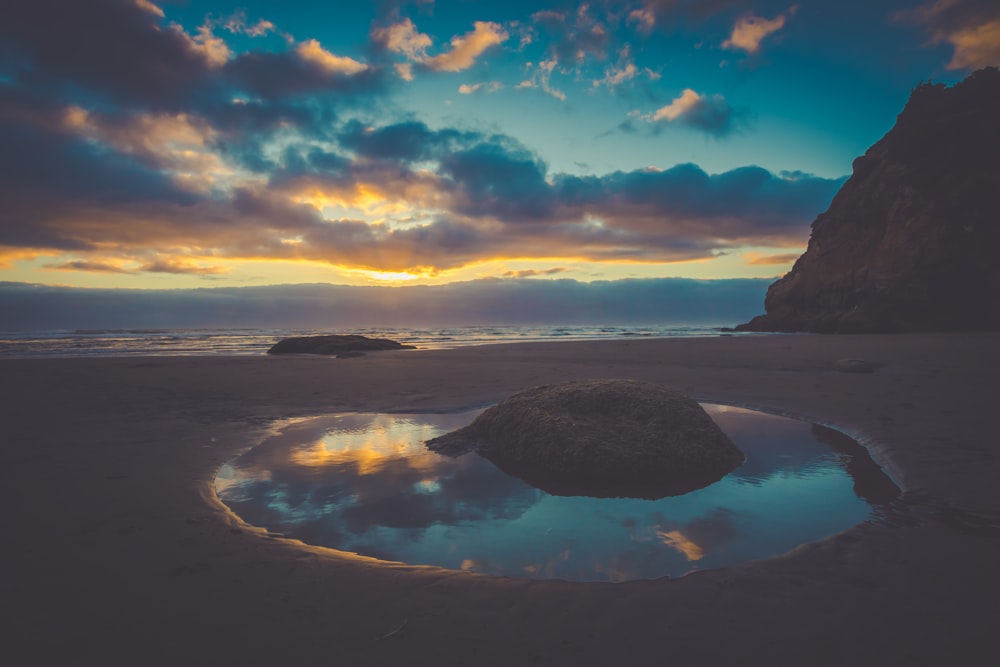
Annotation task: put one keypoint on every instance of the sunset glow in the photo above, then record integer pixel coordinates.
(433, 141)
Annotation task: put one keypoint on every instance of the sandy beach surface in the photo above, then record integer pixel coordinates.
(117, 551)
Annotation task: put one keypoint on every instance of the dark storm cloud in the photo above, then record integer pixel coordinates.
(133, 54)
(495, 180)
(274, 76)
(485, 302)
(110, 47)
(410, 141)
(244, 128)
(684, 200)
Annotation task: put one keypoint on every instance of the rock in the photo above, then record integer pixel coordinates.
(600, 438)
(909, 242)
(334, 345)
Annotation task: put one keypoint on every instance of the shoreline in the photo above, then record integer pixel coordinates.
(124, 553)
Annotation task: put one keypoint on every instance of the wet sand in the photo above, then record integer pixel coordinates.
(118, 552)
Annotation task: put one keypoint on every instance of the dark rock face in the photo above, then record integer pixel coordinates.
(334, 345)
(909, 243)
(600, 438)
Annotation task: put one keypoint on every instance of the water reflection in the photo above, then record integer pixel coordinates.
(364, 483)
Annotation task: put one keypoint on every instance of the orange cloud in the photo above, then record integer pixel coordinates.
(975, 46)
(532, 273)
(179, 144)
(213, 50)
(485, 86)
(465, 50)
(687, 101)
(403, 38)
(676, 540)
(756, 259)
(644, 18)
(971, 30)
(148, 6)
(750, 31)
(311, 52)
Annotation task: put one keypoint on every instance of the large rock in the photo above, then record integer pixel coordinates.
(600, 438)
(909, 243)
(346, 345)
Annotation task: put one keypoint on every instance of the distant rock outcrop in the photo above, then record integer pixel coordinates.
(346, 345)
(910, 241)
(600, 438)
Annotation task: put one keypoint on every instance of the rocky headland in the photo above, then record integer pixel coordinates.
(909, 242)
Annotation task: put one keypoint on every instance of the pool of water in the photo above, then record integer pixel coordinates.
(365, 483)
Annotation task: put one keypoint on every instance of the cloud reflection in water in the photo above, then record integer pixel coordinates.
(365, 483)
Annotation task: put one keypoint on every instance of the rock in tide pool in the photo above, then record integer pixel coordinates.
(600, 438)
(348, 345)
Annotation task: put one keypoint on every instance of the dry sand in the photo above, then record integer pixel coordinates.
(117, 552)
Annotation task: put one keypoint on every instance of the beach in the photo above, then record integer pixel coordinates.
(118, 552)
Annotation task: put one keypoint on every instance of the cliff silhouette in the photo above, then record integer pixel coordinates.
(910, 241)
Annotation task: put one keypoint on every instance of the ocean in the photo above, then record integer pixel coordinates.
(208, 342)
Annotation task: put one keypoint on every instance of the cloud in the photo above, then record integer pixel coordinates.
(667, 13)
(625, 70)
(237, 24)
(482, 86)
(309, 70)
(574, 37)
(616, 76)
(490, 179)
(213, 49)
(403, 38)
(91, 266)
(977, 46)
(533, 273)
(756, 259)
(148, 6)
(271, 155)
(750, 31)
(971, 27)
(176, 144)
(411, 141)
(709, 114)
(116, 48)
(312, 52)
(541, 76)
(87, 187)
(465, 50)
(172, 266)
(484, 302)
(644, 19)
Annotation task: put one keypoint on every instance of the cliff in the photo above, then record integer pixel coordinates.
(910, 241)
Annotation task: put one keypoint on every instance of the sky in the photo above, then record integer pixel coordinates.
(245, 143)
